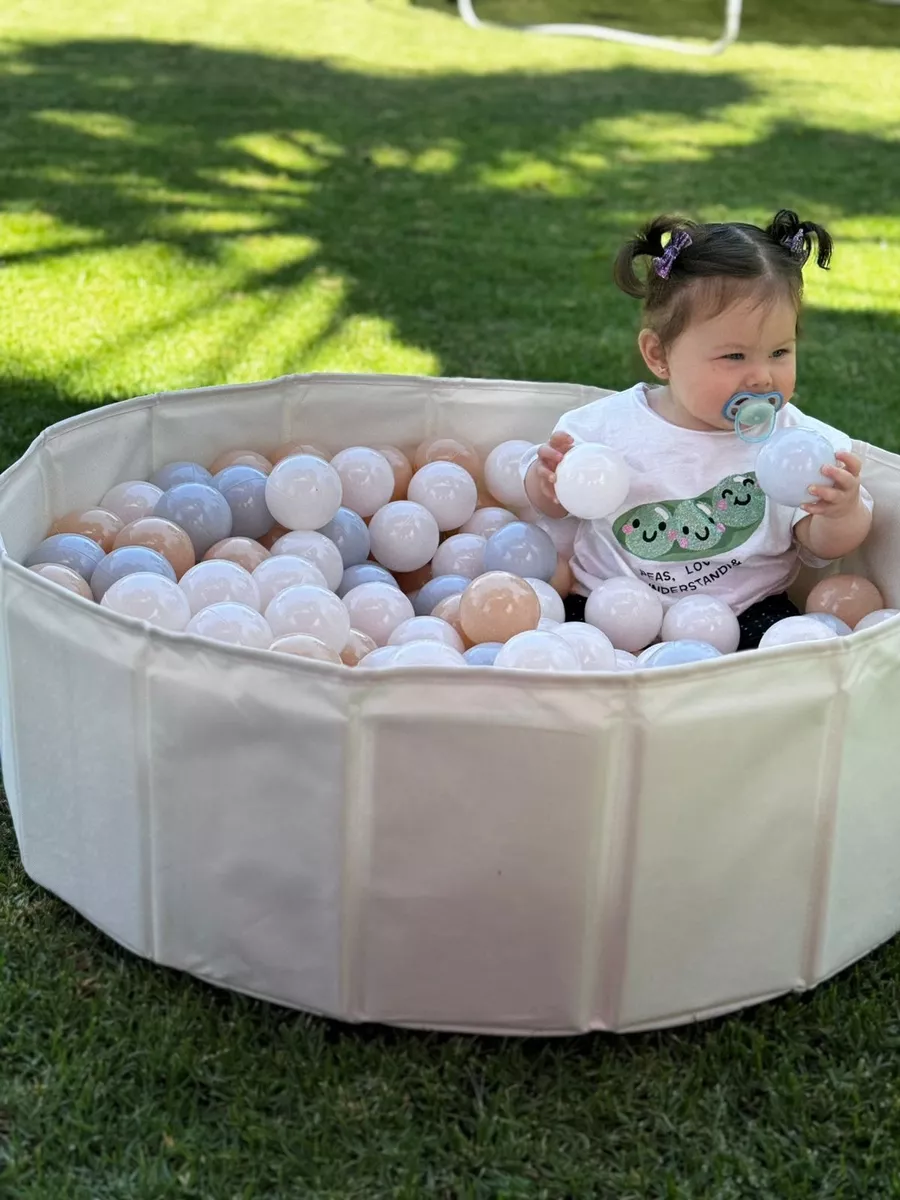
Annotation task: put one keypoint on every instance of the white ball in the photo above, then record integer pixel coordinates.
(427, 654)
(376, 609)
(218, 580)
(303, 492)
(645, 655)
(281, 571)
(874, 618)
(404, 536)
(367, 479)
(426, 629)
(503, 472)
(841, 628)
(316, 549)
(552, 606)
(545, 625)
(625, 661)
(447, 490)
(594, 649)
(485, 521)
(702, 619)
(629, 612)
(150, 598)
(311, 610)
(563, 531)
(790, 462)
(461, 554)
(536, 650)
(379, 658)
(233, 623)
(796, 629)
(592, 481)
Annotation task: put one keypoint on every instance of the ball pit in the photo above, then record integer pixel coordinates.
(469, 849)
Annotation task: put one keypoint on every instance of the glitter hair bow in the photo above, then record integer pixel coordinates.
(794, 244)
(663, 263)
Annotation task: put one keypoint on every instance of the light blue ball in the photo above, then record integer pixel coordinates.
(483, 655)
(685, 650)
(128, 560)
(350, 534)
(202, 512)
(245, 490)
(523, 550)
(73, 550)
(364, 573)
(174, 473)
(436, 590)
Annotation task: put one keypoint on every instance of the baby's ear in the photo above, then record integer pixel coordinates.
(653, 353)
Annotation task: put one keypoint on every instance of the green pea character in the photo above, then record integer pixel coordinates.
(695, 527)
(739, 501)
(647, 531)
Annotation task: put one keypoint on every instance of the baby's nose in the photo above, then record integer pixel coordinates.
(759, 378)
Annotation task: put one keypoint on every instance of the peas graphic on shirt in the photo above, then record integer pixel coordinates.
(647, 531)
(694, 527)
(738, 501)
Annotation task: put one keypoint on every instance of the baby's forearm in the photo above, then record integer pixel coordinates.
(536, 497)
(829, 537)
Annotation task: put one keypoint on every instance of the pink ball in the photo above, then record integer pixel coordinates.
(367, 479)
(485, 521)
(310, 610)
(151, 598)
(217, 580)
(235, 624)
(462, 554)
(303, 492)
(281, 571)
(376, 609)
(447, 490)
(426, 629)
(594, 649)
(629, 612)
(536, 650)
(316, 549)
(702, 619)
(427, 654)
(404, 536)
(503, 472)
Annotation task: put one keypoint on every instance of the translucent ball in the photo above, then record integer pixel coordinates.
(426, 629)
(562, 580)
(643, 659)
(427, 654)
(594, 649)
(282, 571)
(486, 521)
(241, 458)
(246, 552)
(790, 463)
(376, 609)
(97, 524)
(350, 534)
(461, 554)
(402, 468)
(132, 500)
(436, 590)
(629, 612)
(200, 510)
(850, 597)
(404, 536)
(592, 481)
(72, 550)
(379, 658)
(449, 449)
(547, 626)
(876, 618)
(447, 491)
(483, 655)
(366, 477)
(301, 645)
(522, 550)
(841, 628)
(796, 629)
(357, 646)
(550, 601)
(128, 560)
(292, 449)
(367, 572)
(410, 582)
(244, 489)
(311, 610)
(448, 610)
(167, 538)
(268, 540)
(303, 492)
(496, 607)
(625, 661)
(537, 651)
(503, 472)
(563, 531)
(64, 577)
(235, 624)
(315, 548)
(151, 598)
(215, 581)
(174, 473)
(687, 650)
(702, 619)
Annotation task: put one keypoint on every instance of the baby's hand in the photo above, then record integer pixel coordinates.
(550, 456)
(842, 497)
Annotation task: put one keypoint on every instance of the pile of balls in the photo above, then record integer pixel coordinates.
(370, 557)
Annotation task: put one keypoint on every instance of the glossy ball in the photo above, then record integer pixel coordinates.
(244, 489)
(367, 479)
(523, 550)
(97, 524)
(216, 581)
(876, 618)
(625, 661)
(161, 535)
(791, 462)
(315, 548)
(246, 552)
(310, 610)
(379, 658)
(629, 612)
(702, 619)
(73, 550)
(427, 654)
(174, 473)
(357, 646)
(562, 580)
(563, 531)
(200, 510)
(128, 560)
(234, 624)
(426, 629)
(301, 645)
(447, 491)
(282, 571)
(402, 468)
(841, 628)
(376, 609)
(292, 449)
(448, 449)
(550, 600)
(132, 500)
(592, 481)
(686, 650)
(150, 598)
(486, 521)
(64, 577)
(404, 536)
(594, 650)
(796, 629)
(461, 554)
(303, 492)
(241, 458)
(850, 597)
(496, 607)
(367, 572)
(483, 655)
(436, 590)
(350, 534)
(503, 472)
(537, 651)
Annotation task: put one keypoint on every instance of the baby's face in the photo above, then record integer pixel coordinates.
(749, 347)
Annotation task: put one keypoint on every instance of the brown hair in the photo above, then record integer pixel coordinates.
(718, 264)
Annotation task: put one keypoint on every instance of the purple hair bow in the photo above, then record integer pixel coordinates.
(795, 243)
(662, 264)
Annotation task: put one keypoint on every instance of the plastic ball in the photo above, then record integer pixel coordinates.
(292, 449)
(841, 628)
(404, 536)
(301, 645)
(461, 554)
(150, 598)
(791, 462)
(592, 481)
(496, 607)
(625, 661)
(796, 629)
(367, 479)
(350, 534)
(128, 560)
(411, 582)
(427, 654)
(876, 618)
(268, 540)
(97, 524)
(702, 619)
(244, 488)
(629, 612)
(548, 626)
(357, 646)
(643, 659)
(523, 550)
(132, 500)
(311, 610)
(562, 580)
(594, 650)
(367, 572)
(174, 473)
(235, 624)
(303, 492)
(402, 468)
(246, 552)
(200, 510)
(315, 548)
(447, 491)
(562, 530)
(503, 472)
(74, 550)
(165, 537)
(281, 571)
(685, 650)
(448, 610)
(486, 521)
(379, 658)
(426, 629)
(537, 651)
(241, 458)
(376, 609)
(483, 655)
(550, 600)
(850, 597)
(448, 449)
(214, 581)
(436, 590)
(64, 577)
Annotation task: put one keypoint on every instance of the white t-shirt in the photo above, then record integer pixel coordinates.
(694, 519)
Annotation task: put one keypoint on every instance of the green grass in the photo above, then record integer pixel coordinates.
(194, 194)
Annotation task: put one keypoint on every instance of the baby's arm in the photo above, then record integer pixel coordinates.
(839, 519)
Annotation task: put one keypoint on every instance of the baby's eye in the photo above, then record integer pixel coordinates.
(736, 357)
(780, 353)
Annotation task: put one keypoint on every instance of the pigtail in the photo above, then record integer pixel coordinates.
(800, 237)
(647, 244)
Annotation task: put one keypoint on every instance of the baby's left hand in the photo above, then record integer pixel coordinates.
(842, 498)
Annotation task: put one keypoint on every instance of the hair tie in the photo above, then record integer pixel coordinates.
(795, 244)
(663, 263)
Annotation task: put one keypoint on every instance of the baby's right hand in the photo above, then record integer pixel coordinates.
(550, 456)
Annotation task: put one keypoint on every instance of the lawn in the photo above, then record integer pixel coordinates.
(194, 194)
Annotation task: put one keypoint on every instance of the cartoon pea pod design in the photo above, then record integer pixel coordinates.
(694, 527)
(738, 501)
(646, 531)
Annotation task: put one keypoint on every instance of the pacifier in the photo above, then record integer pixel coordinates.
(753, 414)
